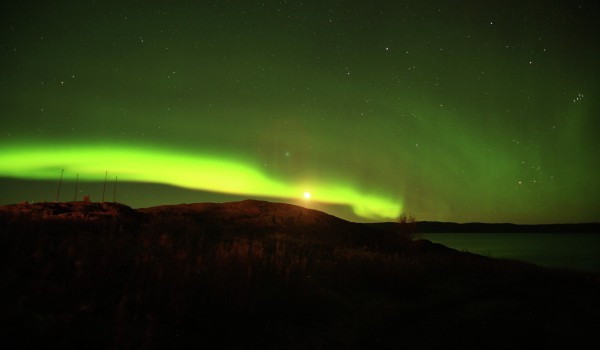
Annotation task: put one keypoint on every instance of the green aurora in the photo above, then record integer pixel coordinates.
(178, 169)
(450, 111)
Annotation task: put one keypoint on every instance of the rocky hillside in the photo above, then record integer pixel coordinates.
(255, 274)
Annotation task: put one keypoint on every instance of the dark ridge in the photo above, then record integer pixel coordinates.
(261, 217)
(475, 227)
(68, 210)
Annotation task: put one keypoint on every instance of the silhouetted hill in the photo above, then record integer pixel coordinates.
(258, 218)
(66, 210)
(477, 227)
(264, 275)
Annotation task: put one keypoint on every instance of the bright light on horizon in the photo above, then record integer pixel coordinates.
(306, 195)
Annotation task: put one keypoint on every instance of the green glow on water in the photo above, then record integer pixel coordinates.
(194, 171)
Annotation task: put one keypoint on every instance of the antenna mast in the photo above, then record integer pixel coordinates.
(59, 184)
(76, 183)
(115, 191)
(104, 189)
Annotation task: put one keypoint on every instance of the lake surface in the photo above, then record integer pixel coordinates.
(579, 251)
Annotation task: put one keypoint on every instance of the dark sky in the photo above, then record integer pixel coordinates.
(448, 110)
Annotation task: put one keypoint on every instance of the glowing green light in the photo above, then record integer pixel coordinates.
(196, 171)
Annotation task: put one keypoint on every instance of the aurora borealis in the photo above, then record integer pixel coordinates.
(204, 173)
(452, 111)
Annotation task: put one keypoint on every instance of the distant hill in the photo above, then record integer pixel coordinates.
(262, 275)
(474, 227)
(477, 227)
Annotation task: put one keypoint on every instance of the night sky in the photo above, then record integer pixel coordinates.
(448, 110)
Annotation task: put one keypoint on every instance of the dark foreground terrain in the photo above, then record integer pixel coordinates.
(271, 276)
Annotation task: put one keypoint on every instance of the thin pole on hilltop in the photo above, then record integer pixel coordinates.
(115, 191)
(76, 183)
(59, 184)
(104, 189)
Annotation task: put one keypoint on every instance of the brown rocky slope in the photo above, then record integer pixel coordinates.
(255, 274)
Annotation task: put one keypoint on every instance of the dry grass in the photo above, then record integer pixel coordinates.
(184, 281)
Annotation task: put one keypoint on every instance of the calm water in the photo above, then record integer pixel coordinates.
(565, 250)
